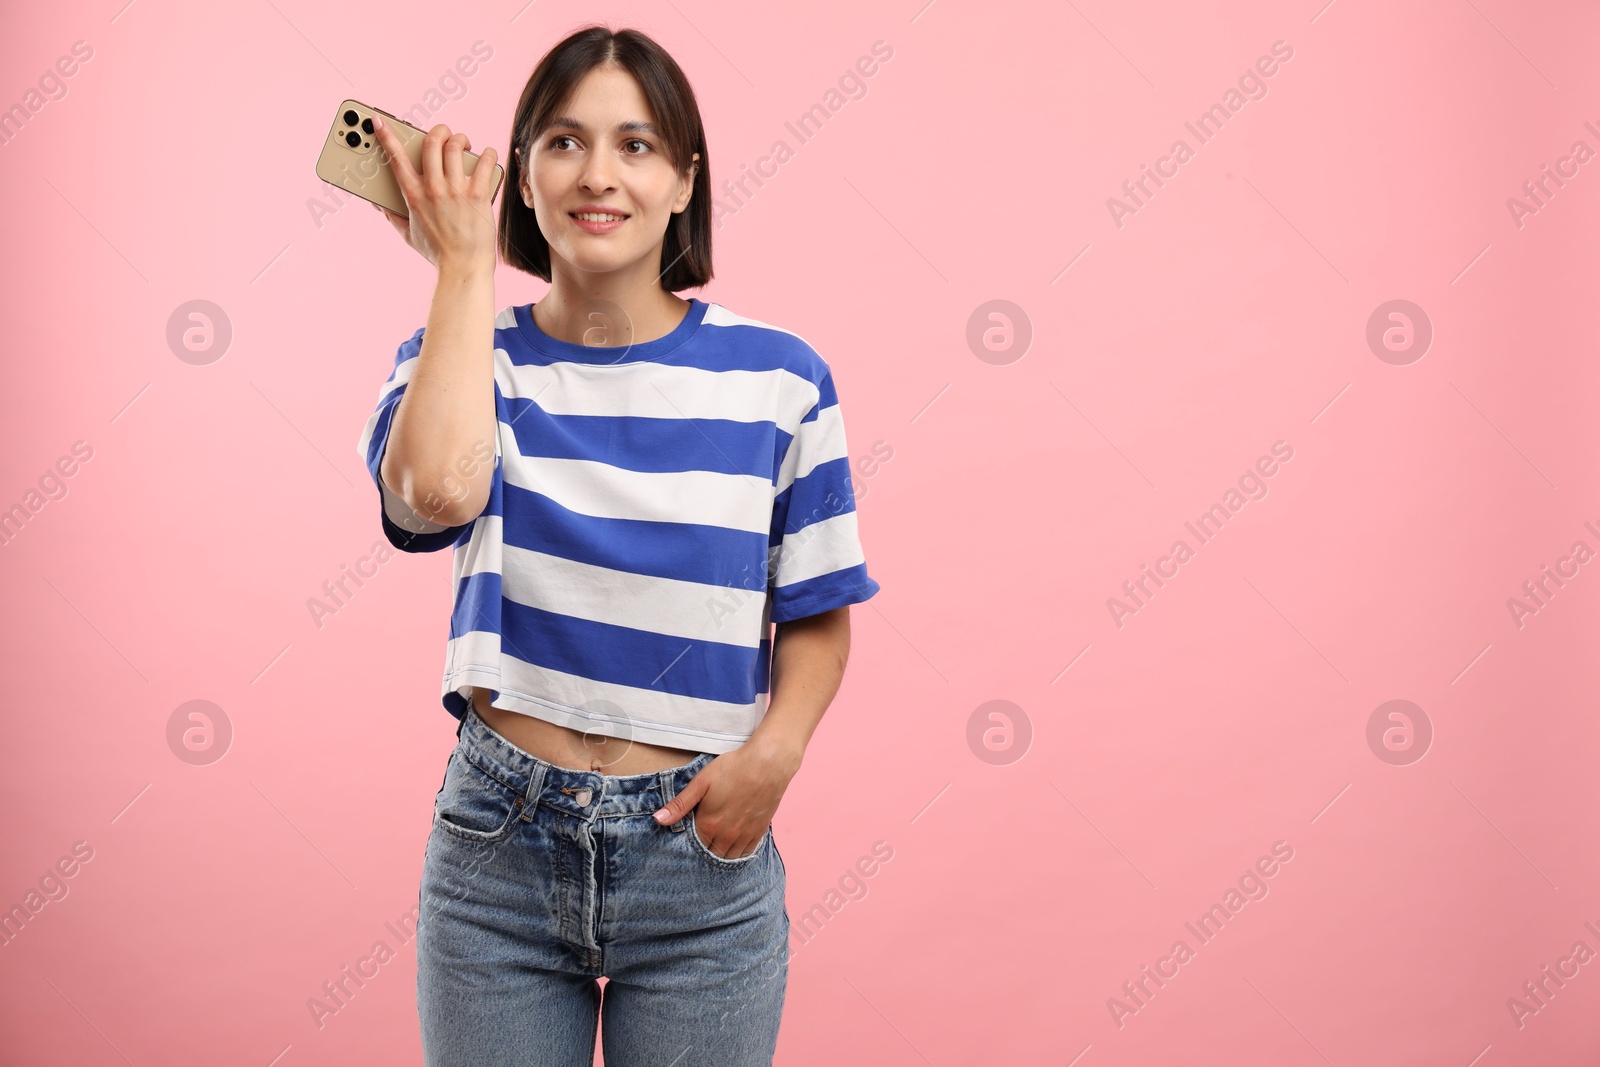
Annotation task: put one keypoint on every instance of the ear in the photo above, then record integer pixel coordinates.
(687, 192)
(524, 179)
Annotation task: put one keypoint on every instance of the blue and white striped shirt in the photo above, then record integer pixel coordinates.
(654, 510)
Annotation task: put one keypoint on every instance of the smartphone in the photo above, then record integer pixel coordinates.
(353, 160)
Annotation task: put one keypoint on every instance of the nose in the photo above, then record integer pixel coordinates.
(596, 176)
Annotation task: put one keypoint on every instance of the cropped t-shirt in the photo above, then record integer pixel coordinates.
(654, 509)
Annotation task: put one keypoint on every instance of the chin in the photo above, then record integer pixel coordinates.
(601, 264)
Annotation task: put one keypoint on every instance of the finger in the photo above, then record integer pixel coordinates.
(749, 845)
(432, 163)
(738, 849)
(394, 154)
(482, 183)
(453, 170)
(679, 805)
(676, 808)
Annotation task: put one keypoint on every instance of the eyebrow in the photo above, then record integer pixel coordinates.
(566, 122)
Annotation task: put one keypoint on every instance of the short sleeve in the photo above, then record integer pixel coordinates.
(815, 546)
(405, 529)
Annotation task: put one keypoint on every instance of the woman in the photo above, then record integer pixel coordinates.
(636, 487)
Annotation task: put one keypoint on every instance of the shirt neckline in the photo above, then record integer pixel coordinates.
(617, 356)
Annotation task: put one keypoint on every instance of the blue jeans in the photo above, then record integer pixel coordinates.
(539, 880)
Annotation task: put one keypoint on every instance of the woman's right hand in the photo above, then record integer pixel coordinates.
(452, 215)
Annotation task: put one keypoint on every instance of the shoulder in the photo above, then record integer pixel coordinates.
(782, 348)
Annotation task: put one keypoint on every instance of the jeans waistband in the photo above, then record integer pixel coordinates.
(541, 782)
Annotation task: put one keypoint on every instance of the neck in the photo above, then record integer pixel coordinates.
(608, 310)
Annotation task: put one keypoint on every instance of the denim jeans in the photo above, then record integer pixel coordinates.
(538, 880)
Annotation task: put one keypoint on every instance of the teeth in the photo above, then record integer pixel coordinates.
(591, 217)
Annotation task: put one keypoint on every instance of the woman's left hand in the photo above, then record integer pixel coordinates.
(735, 795)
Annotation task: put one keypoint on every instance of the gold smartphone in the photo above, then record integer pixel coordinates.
(353, 160)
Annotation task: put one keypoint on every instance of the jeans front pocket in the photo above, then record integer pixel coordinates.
(472, 805)
(722, 861)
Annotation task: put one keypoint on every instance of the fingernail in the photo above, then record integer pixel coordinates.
(661, 815)
(377, 123)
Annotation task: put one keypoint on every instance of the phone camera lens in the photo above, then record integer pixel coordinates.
(351, 118)
(366, 125)
(353, 139)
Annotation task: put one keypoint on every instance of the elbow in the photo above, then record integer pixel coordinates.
(449, 502)
(453, 495)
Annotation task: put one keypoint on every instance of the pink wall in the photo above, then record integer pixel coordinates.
(1169, 354)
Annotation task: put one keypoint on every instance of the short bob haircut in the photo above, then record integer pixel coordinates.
(686, 247)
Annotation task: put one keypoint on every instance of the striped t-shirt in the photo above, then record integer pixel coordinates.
(654, 510)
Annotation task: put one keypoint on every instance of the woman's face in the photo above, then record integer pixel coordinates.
(602, 151)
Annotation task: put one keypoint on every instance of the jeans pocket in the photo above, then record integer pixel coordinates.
(722, 861)
(472, 805)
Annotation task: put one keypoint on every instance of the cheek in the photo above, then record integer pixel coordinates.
(546, 195)
(656, 194)
(550, 180)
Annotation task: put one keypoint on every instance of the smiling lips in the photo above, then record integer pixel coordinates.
(598, 221)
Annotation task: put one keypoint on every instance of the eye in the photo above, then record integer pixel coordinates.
(555, 141)
(639, 142)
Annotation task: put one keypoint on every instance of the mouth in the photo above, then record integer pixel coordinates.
(597, 221)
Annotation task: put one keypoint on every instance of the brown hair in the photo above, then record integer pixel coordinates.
(686, 247)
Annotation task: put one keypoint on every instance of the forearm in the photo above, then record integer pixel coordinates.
(808, 663)
(808, 659)
(440, 453)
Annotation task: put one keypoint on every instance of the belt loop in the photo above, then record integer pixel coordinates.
(668, 791)
(530, 801)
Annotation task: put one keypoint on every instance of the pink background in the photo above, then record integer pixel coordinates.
(1166, 755)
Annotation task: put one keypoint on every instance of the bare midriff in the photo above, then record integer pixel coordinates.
(566, 747)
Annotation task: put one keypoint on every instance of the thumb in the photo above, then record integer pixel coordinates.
(680, 805)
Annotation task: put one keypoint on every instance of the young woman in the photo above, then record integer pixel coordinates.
(636, 487)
